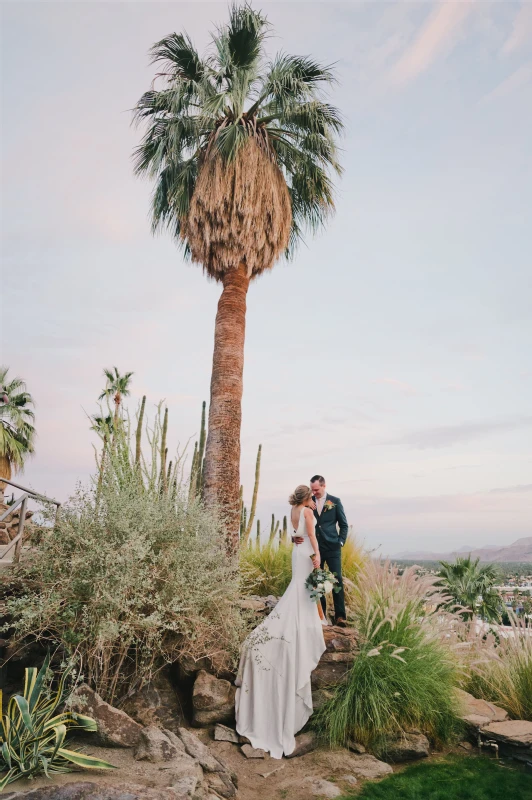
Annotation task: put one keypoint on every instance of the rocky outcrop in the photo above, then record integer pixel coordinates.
(476, 713)
(157, 703)
(406, 747)
(9, 526)
(514, 737)
(341, 644)
(115, 727)
(213, 700)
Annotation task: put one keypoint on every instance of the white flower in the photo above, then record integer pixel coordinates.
(320, 586)
(328, 586)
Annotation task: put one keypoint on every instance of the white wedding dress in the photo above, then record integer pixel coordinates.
(274, 698)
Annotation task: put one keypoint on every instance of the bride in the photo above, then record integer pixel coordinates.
(274, 698)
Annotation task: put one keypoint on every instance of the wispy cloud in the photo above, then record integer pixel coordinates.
(437, 37)
(521, 30)
(401, 386)
(521, 77)
(449, 435)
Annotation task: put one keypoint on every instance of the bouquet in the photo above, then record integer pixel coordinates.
(321, 581)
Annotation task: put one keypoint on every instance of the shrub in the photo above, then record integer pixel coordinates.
(499, 667)
(405, 673)
(267, 568)
(33, 731)
(133, 575)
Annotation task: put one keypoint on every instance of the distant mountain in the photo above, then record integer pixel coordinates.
(521, 550)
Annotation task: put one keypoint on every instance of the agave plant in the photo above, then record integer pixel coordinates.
(33, 733)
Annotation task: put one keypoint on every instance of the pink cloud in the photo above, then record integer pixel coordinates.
(437, 36)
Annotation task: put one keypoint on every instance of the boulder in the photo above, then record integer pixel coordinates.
(317, 787)
(213, 700)
(115, 727)
(356, 747)
(476, 713)
(516, 734)
(305, 743)
(252, 604)
(89, 790)
(405, 747)
(154, 745)
(224, 734)
(199, 751)
(341, 650)
(252, 752)
(157, 703)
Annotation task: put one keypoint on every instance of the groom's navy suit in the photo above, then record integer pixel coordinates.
(331, 533)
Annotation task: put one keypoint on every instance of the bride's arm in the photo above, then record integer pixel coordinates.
(309, 521)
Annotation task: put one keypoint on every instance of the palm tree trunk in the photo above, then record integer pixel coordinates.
(222, 453)
(5, 472)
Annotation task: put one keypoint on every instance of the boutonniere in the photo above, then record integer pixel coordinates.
(328, 505)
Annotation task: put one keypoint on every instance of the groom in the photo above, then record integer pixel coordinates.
(330, 517)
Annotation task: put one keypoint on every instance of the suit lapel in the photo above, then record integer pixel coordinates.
(316, 509)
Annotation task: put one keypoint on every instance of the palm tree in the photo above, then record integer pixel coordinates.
(17, 433)
(241, 150)
(104, 427)
(472, 586)
(117, 388)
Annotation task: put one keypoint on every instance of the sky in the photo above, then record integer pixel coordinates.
(392, 356)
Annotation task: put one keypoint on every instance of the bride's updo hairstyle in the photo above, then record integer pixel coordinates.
(302, 494)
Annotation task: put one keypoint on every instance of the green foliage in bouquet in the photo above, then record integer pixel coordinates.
(321, 582)
(33, 730)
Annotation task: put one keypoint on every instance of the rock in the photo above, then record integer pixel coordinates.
(184, 772)
(342, 762)
(476, 713)
(213, 700)
(200, 752)
(516, 733)
(224, 734)
(186, 787)
(341, 644)
(320, 697)
(349, 779)
(466, 746)
(221, 783)
(252, 752)
(115, 727)
(252, 604)
(305, 743)
(355, 747)
(406, 747)
(89, 790)
(188, 666)
(267, 773)
(154, 745)
(156, 704)
(320, 788)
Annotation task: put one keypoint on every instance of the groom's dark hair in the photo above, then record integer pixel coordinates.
(319, 478)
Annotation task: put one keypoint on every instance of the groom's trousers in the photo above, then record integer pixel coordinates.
(331, 556)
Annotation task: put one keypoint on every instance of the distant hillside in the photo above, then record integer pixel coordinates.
(519, 551)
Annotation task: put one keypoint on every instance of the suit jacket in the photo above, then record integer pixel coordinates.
(331, 526)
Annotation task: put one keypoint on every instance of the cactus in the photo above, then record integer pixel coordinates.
(255, 494)
(138, 435)
(258, 531)
(273, 529)
(193, 474)
(201, 452)
(284, 532)
(164, 453)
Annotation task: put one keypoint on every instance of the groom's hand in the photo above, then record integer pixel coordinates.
(297, 539)
(312, 505)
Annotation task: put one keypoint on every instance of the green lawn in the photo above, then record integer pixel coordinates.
(455, 778)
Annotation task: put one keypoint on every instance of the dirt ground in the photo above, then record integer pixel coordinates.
(258, 779)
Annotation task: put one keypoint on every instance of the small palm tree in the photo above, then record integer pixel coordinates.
(17, 433)
(472, 586)
(117, 388)
(104, 427)
(241, 149)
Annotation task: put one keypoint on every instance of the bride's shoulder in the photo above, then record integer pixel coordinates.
(308, 513)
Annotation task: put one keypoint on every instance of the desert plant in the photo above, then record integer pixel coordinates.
(242, 152)
(117, 387)
(405, 673)
(17, 433)
(34, 730)
(471, 586)
(499, 666)
(131, 577)
(265, 568)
